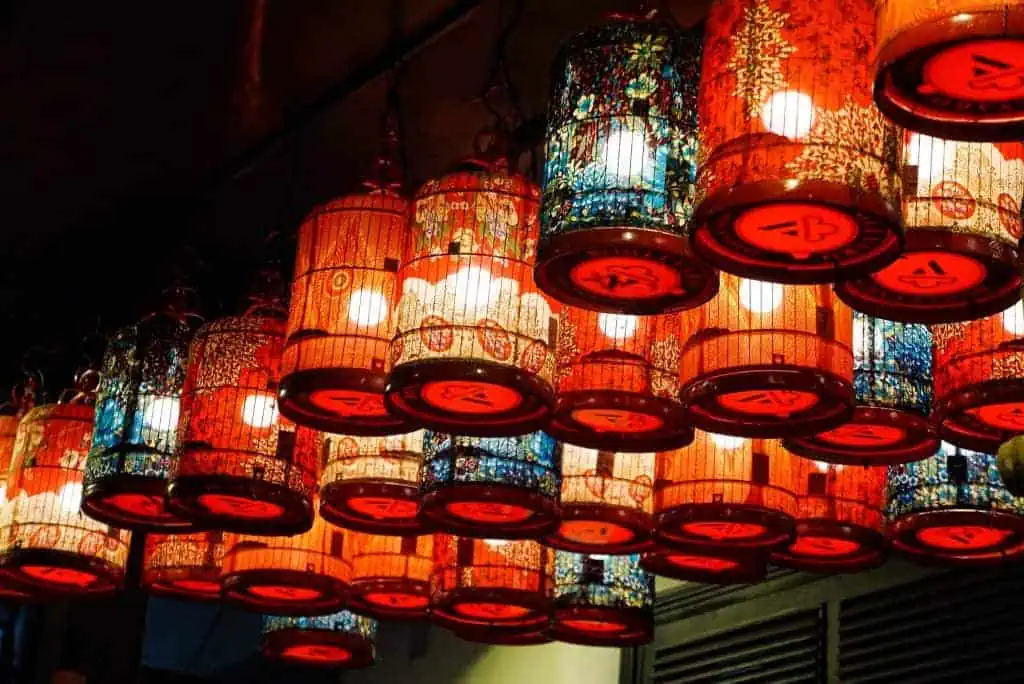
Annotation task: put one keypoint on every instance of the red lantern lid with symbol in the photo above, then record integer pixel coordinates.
(706, 564)
(185, 566)
(391, 575)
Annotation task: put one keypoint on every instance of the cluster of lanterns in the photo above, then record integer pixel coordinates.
(507, 408)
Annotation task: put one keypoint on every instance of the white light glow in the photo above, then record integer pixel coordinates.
(71, 497)
(472, 288)
(760, 297)
(962, 17)
(3, 494)
(496, 543)
(259, 410)
(727, 442)
(617, 326)
(627, 157)
(367, 307)
(1013, 319)
(161, 413)
(789, 113)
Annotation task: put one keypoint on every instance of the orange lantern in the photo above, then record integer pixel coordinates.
(726, 491)
(307, 574)
(343, 640)
(617, 380)
(768, 360)
(798, 180)
(839, 522)
(372, 484)
(707, 564)
(606, 503)
(186, 566)
(952, 67)
(343, 316)
(391, 575)
(473, 351)
(480, 584)
(979, 380)
(241, 466)
(963, 221)
(11, 589)
(45, 539)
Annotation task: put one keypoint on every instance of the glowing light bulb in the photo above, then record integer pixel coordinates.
(161, 413)
(1013, 319)
(3, 494)
(367, 307)
(627, 156)
(71, 497)
(824, 467)
(472, 287)
(727, 442)
(789, 113)
(617, 326)
(259, 410)
(760, 297)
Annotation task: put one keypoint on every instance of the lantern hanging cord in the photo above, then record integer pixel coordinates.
(389, 171)
(499, 79)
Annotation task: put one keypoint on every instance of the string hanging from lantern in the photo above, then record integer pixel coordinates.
(706, 564)
(342, 640)
(184, 566)
(391, 575)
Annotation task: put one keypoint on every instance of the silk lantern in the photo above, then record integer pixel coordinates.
(11, 588)
(620, 165)
(706, 564)
(391, 575)
(185, 566)
(799, 177)
(342, 640)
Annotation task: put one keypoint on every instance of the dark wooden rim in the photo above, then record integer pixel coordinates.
(751, 567)
(779, 527)
(96, 493)
(903, 533)
(638, 623)
(108, 577)
(434, 513)
(335, 509)
(294, 403)
(297, 517)
(362, 650)
(443, 612)
(333, 592)
(920, 440)
(871, 552)
(393, 585)
(674, 433)
(958, 427)
(641, 524)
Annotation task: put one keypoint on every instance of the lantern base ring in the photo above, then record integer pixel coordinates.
(132, 502)
(398, 505)
(359, 393)
(855, 549)
(193, 584)
(953, 414)
(856, 443)
(319, 648)
(527, 609)
(602, 529)
(706, 564)
(1007, 528)
(503, 636)
(15, 590)
(620, 421)
(723, 525)
(534, 514)
(223, 502)
(391, 597)
(600, 626)
(61, 573)
(317, 594)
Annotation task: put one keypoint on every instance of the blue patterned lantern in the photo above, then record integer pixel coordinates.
(620, 166)
(893, 380)
(342, 640)
(491, 487)
(602, 600)
(954, 508)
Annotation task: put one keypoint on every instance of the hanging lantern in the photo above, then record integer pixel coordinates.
(45, 538)
(473, 351)
(606, 501)
(953, 508)
(893, 378)
(979, 380)
(342, 640)
(726, 491)
(618, 382)
(343, 316)
(11, 588)
(136, 430)
(962, 212)
(602, 600)
(391, 575)
(707, 564)
(839, 522)
(482, 584)
(186, 566)
(241, 466)
(307, 574)
(491, 486)
(372, 484)
(952, 67)
(768, 360)
(798, 179)
(620, 170)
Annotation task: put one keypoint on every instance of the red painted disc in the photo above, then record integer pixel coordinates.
(863, 435)
(138, 505)
(594, 626)
(823, 547)
(724, 530)
(59, 575)
(284, 593)
(931, 274)
(1009, 416)
(317, 654)
(977, 71)
(196, 586)
(491, 611)
(395, 600)
(616, 420)
(797, 229)
(349, 403)
(595, 532)
(240, 507)
(779, 403)
(706, 563)
(488, 512)
(626, 278)
(470, 397)
(382, 508)
(962, 537)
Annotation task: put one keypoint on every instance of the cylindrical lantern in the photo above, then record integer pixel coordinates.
(768, 360)
(707, 564)
(607, 501)
(307, 574)
(45, 538)
(372, 484)
(342, 640)
(241, 466)
(839, 521)
(391, 575)
(617, 382)
(473, 351)
(492, 487)
(619, 171)
(952, 67)
(136, 431)
(979, 380)
(963, 221)
(602, 600)
(726, 491)
(893, 380)
(799, 177)
(952, 508)
(343, 315)
(186, 566)
(11, 588)
(488, 583)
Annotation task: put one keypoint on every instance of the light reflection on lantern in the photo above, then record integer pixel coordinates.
(952, 67)
(184, 566)
(241, 466)
(391, 575)
(343, 640)
(706, 564)
(798, 180)
(343, 315)
(620, 165)
(768, 360)
(473, 350)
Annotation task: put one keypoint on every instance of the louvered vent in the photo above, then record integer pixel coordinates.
(696, 598)
(954, 627)
(783, 650)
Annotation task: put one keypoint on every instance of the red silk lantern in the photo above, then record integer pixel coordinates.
(617, 382)
(606, 502)
(11, 589)
(391, 575)
(186, 566)
(768, 360)
(726, 491)
(799, 177)
(707, 564)
(343, 315)
(473, 351)
(952, 67)
(241, 466)
(343, 640)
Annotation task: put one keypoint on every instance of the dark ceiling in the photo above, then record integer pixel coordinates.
(122, 124)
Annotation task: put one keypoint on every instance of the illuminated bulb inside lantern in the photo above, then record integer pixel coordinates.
(71, 497)
(727, 442)
(789, 113)
(823, 467)
(929, 155)
(760, 297)
(617, 326)
(367, 308)
(496, 543)
(472, 288)
(259, 410)
(161, 413)
(962, 17)
(627, 155)
(1013, 319)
